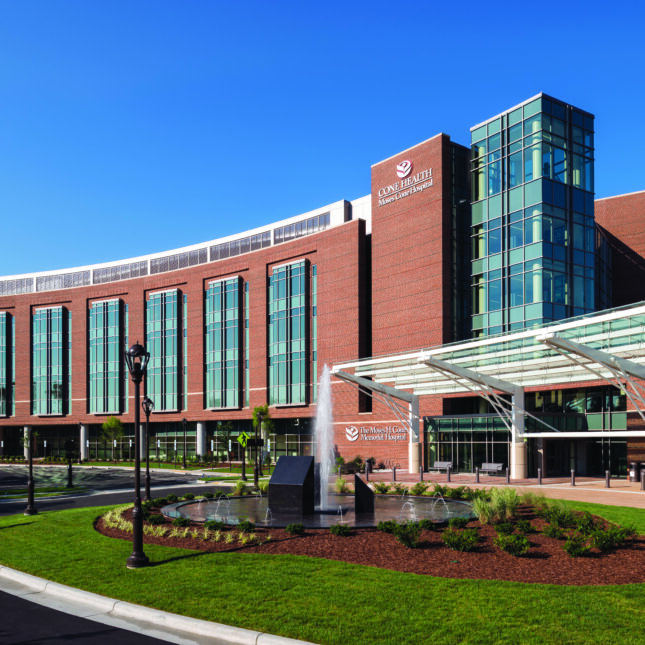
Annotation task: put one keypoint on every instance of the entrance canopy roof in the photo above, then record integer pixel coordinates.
(529, 358)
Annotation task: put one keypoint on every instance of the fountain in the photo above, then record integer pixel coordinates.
(295, 495)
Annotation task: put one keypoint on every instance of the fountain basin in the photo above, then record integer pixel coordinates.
(340, 508)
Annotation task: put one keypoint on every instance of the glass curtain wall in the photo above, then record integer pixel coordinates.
(532, 234)
(6, 364)
(314, 333)
(288, 313)
(105, 368)
(163, 343)
(223, 343)
(50, 361)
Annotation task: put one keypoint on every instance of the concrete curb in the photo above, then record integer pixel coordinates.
(144, 620)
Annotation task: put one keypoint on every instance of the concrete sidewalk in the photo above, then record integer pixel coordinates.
(171, 628)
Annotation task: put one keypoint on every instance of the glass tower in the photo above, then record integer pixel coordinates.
(532, 230)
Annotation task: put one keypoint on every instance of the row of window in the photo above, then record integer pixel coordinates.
(226, 336)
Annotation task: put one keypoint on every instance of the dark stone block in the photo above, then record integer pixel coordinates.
(363, 497)
(291, 487)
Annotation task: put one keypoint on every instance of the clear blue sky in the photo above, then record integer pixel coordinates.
(133, 127)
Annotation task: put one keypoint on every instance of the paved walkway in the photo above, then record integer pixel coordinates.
(587, 489)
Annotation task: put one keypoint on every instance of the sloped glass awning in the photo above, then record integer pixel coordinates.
(604, 347)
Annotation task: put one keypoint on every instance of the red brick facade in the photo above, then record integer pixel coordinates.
(622, 221)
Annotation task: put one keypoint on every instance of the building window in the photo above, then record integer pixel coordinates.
(50, 361)
(223, 343)
(288, 328)
(314, 333)
(105, 368)
(6, 364)
(163, 343)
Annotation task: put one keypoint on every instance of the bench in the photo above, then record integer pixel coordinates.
(441, 465)
(348, 469)
(491, 469)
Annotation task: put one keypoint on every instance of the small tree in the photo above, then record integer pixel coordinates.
(112, 430)
(224, 434)
(264, 427)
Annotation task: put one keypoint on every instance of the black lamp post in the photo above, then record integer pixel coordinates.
(184, 455)
(256, 466)
(148, 406)
(31, 509)
(137, 359)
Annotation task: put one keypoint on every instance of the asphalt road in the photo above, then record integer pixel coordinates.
(105, 486)
(24, 622)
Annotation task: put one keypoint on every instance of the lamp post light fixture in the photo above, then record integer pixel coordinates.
(148, 406)
(183, 421)
(31, 509)
(137, 360)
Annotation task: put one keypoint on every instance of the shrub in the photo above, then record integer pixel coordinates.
(440, 490)
(525, 527)
(159, 502)
(381, 488)
(504, 528)
(458, 522)
(407, 534)
(171, 498)
(189, 496)
(181, 521)
(558, 514)
(576, 546)
(585, 524)
(295, 528)
(155, 519)
(464, 540)
(515, 545)
(208, 495)
(264, 487)
(612, 537)
(246, 526)
(552, 531)
(455, 493)
(471, 494)
(340, 529)
(240, 489)
(214, 525)
(341, 485)
(484, 510)
(427, 525)
(419, 489)
(505, 503)
(399, 489)
(386, 526)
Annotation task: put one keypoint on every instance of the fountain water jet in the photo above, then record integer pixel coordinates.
(324, 433)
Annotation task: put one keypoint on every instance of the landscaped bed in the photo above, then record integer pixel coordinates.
(545, 562)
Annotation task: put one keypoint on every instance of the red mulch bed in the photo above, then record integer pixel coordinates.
(545, 563)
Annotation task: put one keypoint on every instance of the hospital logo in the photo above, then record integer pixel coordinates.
(404, 168)
(351, 433)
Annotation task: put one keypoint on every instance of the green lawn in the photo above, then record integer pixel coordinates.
(324, 601)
